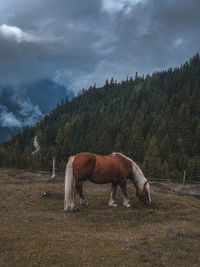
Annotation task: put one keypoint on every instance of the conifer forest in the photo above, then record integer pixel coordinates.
(153, 119)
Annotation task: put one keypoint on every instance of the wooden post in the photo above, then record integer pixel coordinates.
(184, 174)
(54, 168)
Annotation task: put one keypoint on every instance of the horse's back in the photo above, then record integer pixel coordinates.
(106, 169)
(99, 169)
(94, 167)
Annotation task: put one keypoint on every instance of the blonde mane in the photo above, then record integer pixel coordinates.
(137, 172)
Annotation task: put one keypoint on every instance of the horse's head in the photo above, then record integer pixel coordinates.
(144, 195)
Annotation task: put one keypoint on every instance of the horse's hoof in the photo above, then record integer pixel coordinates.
(70, 209)
(84, 203)
(113, 205)
(127, 205)
(75, 209)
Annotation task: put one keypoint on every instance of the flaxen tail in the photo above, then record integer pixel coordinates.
(70, 190)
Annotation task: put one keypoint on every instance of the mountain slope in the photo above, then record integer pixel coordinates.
(25, 105)
(154, 120)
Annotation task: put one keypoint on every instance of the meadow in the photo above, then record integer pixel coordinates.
(34, 230)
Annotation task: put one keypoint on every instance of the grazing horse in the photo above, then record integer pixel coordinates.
(114, 168)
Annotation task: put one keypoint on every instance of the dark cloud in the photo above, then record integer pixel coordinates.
(79, 43)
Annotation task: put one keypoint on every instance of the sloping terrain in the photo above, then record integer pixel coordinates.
(36, 232)
(154, 120)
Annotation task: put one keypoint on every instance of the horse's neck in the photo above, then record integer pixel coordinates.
(138, 176)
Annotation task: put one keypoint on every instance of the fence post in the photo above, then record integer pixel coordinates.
(184, 174)
(54, 168)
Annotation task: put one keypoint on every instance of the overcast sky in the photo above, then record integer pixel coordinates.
(82, 42)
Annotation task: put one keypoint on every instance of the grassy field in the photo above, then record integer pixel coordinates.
(34, 230)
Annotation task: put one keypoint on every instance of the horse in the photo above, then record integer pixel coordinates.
(115, 168)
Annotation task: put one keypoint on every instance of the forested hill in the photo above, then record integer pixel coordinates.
(155, 120)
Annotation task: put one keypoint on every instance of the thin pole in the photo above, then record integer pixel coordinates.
(54, 168)
(184, 174)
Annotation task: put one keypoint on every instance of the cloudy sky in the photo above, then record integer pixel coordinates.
(82, 42)
(77, 43)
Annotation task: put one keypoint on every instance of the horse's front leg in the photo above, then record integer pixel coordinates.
(112, 202)
(124, 194)
(79, 190)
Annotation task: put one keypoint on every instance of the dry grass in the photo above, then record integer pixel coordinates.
(36, 232)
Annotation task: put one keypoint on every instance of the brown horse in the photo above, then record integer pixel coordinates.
(115, 169)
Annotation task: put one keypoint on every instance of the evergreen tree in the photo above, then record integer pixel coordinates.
(154, 120)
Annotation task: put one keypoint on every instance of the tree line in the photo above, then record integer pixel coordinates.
(155, 120)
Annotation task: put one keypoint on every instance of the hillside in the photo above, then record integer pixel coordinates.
(152, 119)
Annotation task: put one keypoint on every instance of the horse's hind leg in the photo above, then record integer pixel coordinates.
(79, 190)
(112, 202)
(124, 194)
